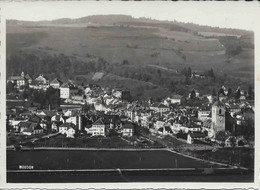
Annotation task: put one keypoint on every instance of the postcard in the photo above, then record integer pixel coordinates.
(115, 94)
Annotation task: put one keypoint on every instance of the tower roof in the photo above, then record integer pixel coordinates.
(218, 103)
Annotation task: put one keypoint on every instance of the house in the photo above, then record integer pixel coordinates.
(28, 131)
(231, 141)
(175, 99)
(30, 128)
(68, 129)
(198, 75)
(204, 113)
(160, 108)
(35, 119)
(16, 121)
(242, 97)
(192, 136)
(122, 94)
(165, 130)
(128, 130)
(197, 94)
(234, 108)
(159, 123)
(46, 113)
(42, 80)
(38, 130)
(76, 120)
(56, 83)
(191, 127)
(18, 80)
(98, 128)
(64, 91)
(55, 126)
(57, 117)
(24, 125)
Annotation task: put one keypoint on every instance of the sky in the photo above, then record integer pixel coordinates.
(240, 15)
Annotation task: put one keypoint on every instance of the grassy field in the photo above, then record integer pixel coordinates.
(59, 159)
(241, 156)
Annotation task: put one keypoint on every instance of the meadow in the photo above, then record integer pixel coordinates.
(101, 159)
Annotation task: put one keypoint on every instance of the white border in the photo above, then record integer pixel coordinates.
(192, 185)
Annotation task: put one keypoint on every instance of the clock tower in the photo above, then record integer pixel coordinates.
(218, 117)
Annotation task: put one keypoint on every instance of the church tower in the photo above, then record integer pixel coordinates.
(218, 117)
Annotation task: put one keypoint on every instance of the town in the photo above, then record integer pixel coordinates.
(52, 113)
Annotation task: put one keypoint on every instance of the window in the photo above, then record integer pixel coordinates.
(219, 111)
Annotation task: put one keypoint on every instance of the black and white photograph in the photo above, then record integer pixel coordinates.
(129, 92)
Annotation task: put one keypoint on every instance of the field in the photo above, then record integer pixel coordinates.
(100, 159)
(116, 166)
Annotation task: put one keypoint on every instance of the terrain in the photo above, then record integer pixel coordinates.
(142, 55)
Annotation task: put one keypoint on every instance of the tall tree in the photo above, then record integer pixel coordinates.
(214, 92)
(229, 92)
(192, 94)
(238, 93)
(250, 92)
(221, 91)
(189, 72)
(187, 80)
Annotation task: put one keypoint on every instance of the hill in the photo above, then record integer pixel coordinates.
(127, 47)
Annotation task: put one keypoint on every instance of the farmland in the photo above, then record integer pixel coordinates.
(139, 159)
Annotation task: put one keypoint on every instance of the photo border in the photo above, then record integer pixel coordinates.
(143, 185)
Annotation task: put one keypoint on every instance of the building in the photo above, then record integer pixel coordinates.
(160, 108)
(128, 130)
(68, 129)
(175, 99)
(38, 130)
(234, 108)
(98, 128)
(42, 80)
(198, 75)
(76, 120)
(192, 136)
(204, 113)
(218, 117)
(18, 80)
(56, 83)
(122, 94)
(165, 130)
(159, 123)
(64, 91)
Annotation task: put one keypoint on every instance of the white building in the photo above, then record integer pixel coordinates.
(42, 80)
(68, 129)
(175, 99)
(98, 128)
(64, 92)
(160, 108)
(56, 83)
(128, 130)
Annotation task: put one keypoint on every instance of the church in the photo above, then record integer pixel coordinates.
(218, 118)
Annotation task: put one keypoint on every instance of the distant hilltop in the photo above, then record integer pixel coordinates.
(120, 19)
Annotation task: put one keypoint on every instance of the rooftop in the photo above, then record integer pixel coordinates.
(98, 122)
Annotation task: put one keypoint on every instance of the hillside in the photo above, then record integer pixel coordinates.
(114, 44)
